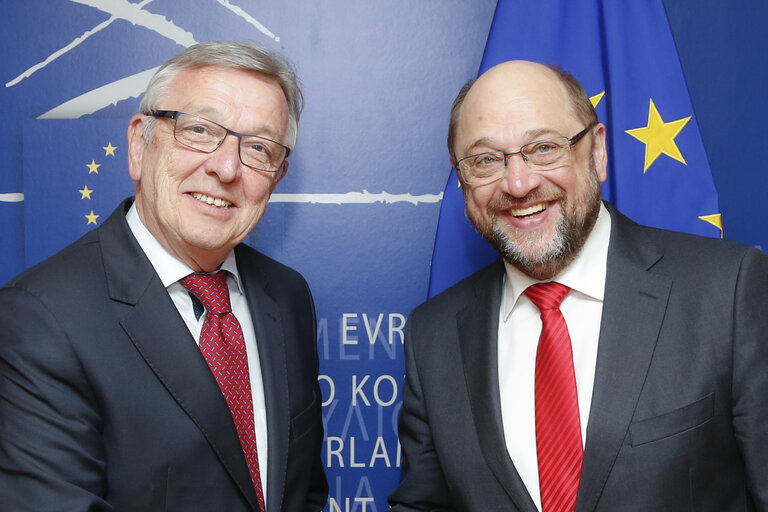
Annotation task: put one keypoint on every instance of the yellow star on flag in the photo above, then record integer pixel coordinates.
(715, 219)
(93, 167)
(659, 137)
(91, 218)
(109, 149)
(596, 99)
(85, 193)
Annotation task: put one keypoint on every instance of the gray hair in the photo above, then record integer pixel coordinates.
(229, 54)
(580, 102)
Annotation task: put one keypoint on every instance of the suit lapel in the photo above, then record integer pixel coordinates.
(633, 310)
(167, 346)
(267, 324)
(478, 339)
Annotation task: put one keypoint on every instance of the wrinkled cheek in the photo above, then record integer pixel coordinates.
(478, 214)
(168, 191)
(246, 223)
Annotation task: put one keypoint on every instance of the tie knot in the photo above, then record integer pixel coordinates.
(547, 296)
(211, 290)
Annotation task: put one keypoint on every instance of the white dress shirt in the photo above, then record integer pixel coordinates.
(171, 270)
(519, 330)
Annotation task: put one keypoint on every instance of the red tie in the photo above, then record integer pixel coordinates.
(223, 346)
(558, 429)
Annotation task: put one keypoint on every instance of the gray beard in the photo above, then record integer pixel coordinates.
(566, 243)
(570, 235)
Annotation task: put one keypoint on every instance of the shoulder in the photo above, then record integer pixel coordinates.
(483, 286)
(82, 261)
(279, 281)
(72, 267)
(677, 254)
(250, 261)
(43, 305)
(710, 262)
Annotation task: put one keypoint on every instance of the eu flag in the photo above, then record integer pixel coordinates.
(625, 57)
(71, 186)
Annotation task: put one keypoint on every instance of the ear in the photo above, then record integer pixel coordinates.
(136, 146)
(456, 170)
(599, 152)
(279, 175)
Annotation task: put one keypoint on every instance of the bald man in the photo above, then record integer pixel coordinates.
(599, 365)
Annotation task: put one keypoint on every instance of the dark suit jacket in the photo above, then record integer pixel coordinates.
(107, 403)
(679, 415)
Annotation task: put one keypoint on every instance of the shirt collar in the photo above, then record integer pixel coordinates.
(585, 274)
(169, 268)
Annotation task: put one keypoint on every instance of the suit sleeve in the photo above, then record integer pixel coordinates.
(317, 493)
(423, 487)
(51, 454)
(750, 338)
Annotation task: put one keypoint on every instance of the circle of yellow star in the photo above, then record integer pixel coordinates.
(109, 149)
(93, 167)
(91, 218)
(85, 192)
(715, 219)
(659, 137)
(596, 98)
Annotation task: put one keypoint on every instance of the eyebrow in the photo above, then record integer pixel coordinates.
(529, 135)
(211, 114)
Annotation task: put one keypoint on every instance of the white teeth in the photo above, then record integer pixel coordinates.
(218, 202)
(529, 211)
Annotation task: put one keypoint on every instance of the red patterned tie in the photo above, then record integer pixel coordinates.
(558, 428)
(223, 346)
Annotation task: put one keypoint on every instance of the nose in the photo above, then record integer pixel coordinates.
(224, 162)
(519, 179)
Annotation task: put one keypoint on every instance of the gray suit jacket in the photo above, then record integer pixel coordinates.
(107, 403)
(679, 415)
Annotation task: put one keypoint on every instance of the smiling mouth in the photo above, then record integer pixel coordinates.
(213, 201)
(524, 212)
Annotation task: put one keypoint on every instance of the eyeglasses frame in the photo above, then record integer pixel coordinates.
(571, 143)
(174, 114)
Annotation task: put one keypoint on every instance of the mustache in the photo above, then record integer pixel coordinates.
(507, 202)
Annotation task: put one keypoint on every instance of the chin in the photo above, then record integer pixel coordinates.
(532, 248)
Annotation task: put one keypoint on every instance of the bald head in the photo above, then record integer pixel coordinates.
(522, 87)
(517, 78)
(537, 217)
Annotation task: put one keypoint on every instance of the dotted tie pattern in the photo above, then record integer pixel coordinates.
(223, 346)
(558, 428)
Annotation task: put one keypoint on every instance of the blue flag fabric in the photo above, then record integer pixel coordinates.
(625, 57)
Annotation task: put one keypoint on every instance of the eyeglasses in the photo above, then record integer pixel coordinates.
(204, 135)
(539, 155)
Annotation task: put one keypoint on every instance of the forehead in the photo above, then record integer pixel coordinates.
(513, 101)
(229, 95)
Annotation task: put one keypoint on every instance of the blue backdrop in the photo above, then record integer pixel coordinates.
(357, 212)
